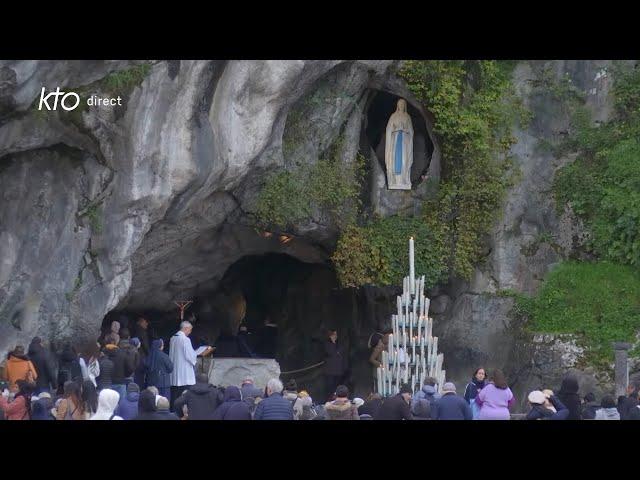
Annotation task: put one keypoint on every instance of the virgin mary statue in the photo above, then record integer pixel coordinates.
(399, 148)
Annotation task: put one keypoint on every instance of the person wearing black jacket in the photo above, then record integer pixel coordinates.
(568, 395)
(396, 407)
(628, 403)
(335, 363)
(141, 331)
(201, 399)
(147, 409)
(590, 407)
(371, 406)
(45, 366)
(233, 407)
(105, 379)
(540, 410)
(68, 367)
(124, 364)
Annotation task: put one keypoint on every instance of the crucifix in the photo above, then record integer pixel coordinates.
(183, 305)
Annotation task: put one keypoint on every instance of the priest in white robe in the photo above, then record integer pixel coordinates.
(184, 359)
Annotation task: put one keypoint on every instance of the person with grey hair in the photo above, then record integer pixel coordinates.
(450, 406)
(162, 408)
(184, 359)
(274, 407)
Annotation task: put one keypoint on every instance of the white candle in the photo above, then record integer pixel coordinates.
(411, 265)
(410, 325)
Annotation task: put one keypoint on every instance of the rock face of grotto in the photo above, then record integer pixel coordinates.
(127, 209)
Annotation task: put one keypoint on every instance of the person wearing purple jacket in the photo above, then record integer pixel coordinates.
(495, 398)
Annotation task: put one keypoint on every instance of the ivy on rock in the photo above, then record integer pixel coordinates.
(603, 184)
(599, 302)
(474, 106)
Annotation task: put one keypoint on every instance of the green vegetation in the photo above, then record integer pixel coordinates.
(76, 286)
(376, 253)
(603, 184)
(474, 105)
(124, 81)
(292, 196)
(599, 302)
(93, 214)
(120, 83)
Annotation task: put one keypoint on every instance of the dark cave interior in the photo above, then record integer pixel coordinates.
(302, 299)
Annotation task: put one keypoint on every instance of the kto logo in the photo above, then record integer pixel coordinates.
(65, 101)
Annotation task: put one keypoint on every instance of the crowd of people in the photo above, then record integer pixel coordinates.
(121, 377)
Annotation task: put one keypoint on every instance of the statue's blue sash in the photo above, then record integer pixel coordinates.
(397, 163)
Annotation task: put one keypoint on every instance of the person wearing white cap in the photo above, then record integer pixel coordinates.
(450, 406)
(546, 406)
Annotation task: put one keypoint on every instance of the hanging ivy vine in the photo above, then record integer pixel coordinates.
(474, 106)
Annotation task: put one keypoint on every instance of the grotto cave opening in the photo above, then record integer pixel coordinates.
(380, 105)
(302, 299)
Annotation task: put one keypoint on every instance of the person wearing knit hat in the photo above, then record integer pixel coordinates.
(537, 397)
(451, 406)
(396, 407)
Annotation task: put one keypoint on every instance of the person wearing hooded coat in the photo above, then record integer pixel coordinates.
(201, 399)
(568, 395)
(158, 366)
(107, 404)
(19, 367)
(233, 408)
(426, 394)
(128, 406)
(540, 410)
(341, 408)
(44, 364)
(421, 410)
(608, 410)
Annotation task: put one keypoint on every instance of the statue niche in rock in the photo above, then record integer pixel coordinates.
(399, 148)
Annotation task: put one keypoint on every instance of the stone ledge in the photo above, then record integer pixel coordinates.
(231, 371)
